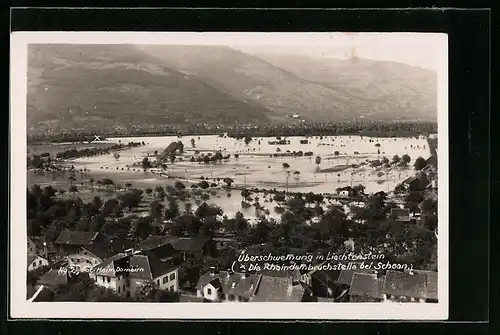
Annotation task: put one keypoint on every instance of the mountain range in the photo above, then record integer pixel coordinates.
(72, 86)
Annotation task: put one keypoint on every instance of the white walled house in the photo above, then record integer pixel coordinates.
(125, 273)
(150, 268)
(31, 247)
(110, 273)
(36, 246)
(225, 286)
(34, 262)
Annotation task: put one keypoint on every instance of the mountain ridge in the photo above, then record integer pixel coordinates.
(122, 85)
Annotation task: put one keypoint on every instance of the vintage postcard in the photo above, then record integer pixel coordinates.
(229, 175)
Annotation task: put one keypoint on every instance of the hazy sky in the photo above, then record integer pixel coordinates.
(420, 50)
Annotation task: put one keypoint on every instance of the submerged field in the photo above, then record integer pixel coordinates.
(253, 168)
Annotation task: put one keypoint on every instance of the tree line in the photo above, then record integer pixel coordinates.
(338, 128)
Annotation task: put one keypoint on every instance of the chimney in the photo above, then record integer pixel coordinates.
(212, 270)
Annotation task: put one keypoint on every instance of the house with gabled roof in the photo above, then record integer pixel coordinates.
(127, 272)
(198, 245)
(54, 278)
(366, 287)
(88, 256)
(35, 261)
(405, 286)
(112, 274)
(38, 246)
(416, 183)
(71, 241)
(431, 284)
(226, 286)
(148, 267)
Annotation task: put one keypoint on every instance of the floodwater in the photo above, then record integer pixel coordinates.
(255, 167)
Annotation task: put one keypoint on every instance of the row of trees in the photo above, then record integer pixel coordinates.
(364, 128)
(88, 152)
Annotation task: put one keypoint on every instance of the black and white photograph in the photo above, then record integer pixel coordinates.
(229, 175)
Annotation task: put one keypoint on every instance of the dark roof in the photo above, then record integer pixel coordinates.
(38, 240)
(432, 283)
(151, 265)
(345, 277)
(179, 243)
(293, 274)
(366, 285)
(53, 278)
(432, 160)
(231, 283)
(110, 265)
(277, 289)
(405, 284)
(76, 237)
(409, 180)
(31, 258)
(107, 248)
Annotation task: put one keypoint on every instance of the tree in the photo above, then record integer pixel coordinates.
(193, 143)
(336, 153)
(396, 159)
(49, 191)
(318, 160)
(179, 185)
(419, 163)
(245, 193)
(107, 182)
(131, 199)
(405, 159)
(228, 181)
(91, 182)
(172, 210)
(73, 190)
(97, 201)
(149, 191)
(172, 158)
(156, 211)
(248, 139)
(286, 165)
(146, 164)
(204, 184)
(116, 156)
(142, 228)
(240, 225)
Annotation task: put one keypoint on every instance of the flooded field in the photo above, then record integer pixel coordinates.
(253, 168)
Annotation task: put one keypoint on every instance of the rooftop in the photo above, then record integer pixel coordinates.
(406, 284)
(81, 238)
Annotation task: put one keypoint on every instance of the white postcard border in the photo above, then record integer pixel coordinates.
(21, 308)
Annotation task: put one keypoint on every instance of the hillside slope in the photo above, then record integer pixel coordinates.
(248, 78)
(376, 89)
(83, 85)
